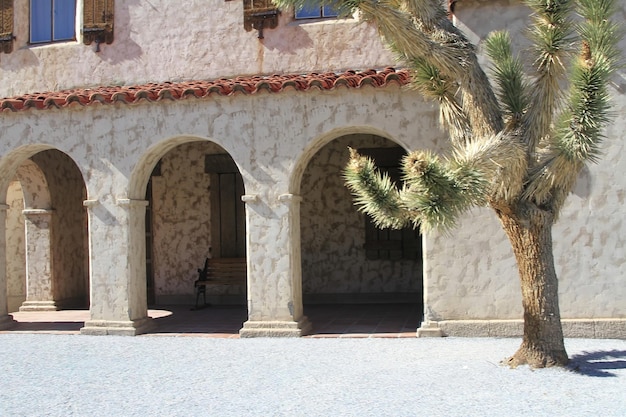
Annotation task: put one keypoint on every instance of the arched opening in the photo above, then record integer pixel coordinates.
(356, 278)
(195, 212)
(46, 235)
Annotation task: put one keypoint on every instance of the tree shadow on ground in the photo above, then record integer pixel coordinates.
(598, 364)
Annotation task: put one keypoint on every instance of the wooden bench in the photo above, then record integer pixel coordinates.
(220, 271)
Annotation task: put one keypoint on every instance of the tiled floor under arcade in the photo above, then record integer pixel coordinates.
(340, 320)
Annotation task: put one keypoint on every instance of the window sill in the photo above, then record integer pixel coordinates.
(69, 42)
(322, 21)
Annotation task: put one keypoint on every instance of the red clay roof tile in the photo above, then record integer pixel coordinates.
(199, 89)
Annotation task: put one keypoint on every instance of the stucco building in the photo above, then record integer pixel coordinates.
(139, 138)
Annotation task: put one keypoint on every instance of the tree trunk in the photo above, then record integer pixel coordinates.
(530, 233)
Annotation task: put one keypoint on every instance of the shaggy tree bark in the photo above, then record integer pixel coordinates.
(530, 234)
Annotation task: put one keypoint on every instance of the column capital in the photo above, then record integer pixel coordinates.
(129, 202)
(250, 198)
(37, 212)
(90, 203)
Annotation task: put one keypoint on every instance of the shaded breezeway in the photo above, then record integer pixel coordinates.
(345, 320)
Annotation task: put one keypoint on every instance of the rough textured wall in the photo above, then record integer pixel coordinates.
(471, 272)
(182, 221)
(16, 255)
(476, 18)
(333, 232)
(161, 41)
(69, 228)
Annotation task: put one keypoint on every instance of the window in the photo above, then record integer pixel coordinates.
(52, 20)
(313, 12)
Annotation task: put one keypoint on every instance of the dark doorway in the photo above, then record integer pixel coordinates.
(228, 225)
(194, 212)
(348, 261)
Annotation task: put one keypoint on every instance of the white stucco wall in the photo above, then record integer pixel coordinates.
(469, 274)
(161, 40)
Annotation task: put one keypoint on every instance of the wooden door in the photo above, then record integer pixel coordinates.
(228, 222)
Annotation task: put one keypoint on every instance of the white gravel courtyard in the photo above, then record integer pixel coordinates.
(71, 375)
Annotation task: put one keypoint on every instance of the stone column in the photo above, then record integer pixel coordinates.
(6, 321)
(430, 325)
(117, 268)
(39, 271)
(274, 269)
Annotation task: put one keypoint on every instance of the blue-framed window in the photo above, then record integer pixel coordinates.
(316, 12)
(52, 20)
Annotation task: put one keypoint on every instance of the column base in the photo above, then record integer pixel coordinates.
(39, 306)
(117, 328)
(429, 329)
(6, 322)
(276, 328)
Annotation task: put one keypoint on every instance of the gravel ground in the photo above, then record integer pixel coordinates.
(71, 375)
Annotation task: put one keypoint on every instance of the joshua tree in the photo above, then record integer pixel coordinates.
(517, 145)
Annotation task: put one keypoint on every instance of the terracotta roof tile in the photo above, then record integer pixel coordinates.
(223, 87)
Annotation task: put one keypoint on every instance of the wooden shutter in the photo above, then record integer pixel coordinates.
(259, 15)
(6, 26)
(98, 21)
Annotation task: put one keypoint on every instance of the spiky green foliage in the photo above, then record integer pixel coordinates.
(551, 39)
(522, 141)
(430, 81)
(375, 193)
(577, 136)
(436, 191)
(508, 72)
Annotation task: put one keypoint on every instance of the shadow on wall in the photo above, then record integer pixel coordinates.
(287, 39)
(27, 59)
(123, 47)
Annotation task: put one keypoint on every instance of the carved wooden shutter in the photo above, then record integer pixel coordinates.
(6, 26)
(98, 21)
(259, 15)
